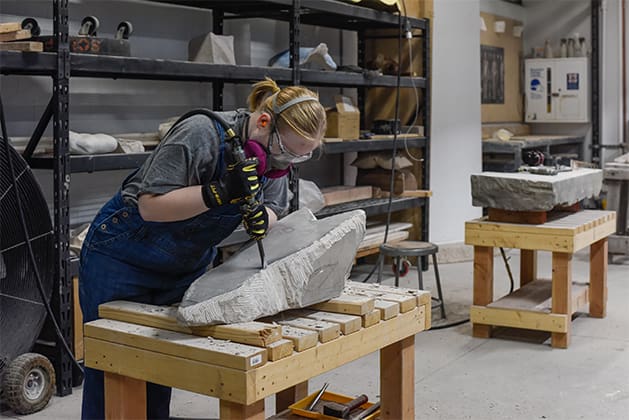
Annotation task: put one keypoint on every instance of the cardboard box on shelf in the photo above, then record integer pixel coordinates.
(343, 119)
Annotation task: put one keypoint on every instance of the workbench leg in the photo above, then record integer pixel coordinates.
(483, 285)
(290, 395)
(528, 266)
(598, 279)
(562, 295)
(397, 380)
(125, 398)
(234, 411)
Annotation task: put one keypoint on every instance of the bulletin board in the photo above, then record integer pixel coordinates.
(511, 109)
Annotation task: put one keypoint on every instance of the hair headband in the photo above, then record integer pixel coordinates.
(278, 110)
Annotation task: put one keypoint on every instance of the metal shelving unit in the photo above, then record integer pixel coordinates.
(373, 206)
(62, 65)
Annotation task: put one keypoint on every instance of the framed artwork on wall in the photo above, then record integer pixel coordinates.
(492, 61)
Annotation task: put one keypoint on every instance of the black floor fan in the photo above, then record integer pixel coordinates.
(28, 379)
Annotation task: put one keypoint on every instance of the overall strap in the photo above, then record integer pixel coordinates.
(220, 167)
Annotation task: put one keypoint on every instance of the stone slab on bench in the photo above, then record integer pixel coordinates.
(308, 261)
(523, 191)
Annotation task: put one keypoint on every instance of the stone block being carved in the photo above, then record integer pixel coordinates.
(530, 192)
(308, 261)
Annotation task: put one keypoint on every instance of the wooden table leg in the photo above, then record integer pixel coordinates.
(598, 279)
(562, 295)
(125, 398)
(483, 285)
(235, 411)
(528, 266)
(290, 395)
(397, 380)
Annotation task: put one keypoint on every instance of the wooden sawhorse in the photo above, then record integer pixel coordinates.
(540, 304)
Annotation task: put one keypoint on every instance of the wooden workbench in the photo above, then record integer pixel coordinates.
(540, 304)
(136, 343)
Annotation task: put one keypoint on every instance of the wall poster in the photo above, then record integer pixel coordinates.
(492, 60)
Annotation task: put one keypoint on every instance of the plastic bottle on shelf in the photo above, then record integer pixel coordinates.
(570, 48)
(583, 47)
(563, 50)
(548, 50)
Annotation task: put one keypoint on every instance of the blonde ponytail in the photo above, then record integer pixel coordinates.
(293, 106)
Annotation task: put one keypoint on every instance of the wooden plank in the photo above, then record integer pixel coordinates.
(231, 411)
(406, 303)
(327, 330)
(483, 285)
(164, 369)
(417, 193)
(10, 27)
(125, 398)
(302, 339)
(210, 350)
(397, 380)
(16, 35)
(347, 304)
(423, 296)
(291, 395)
(377, 239)
(345, 193)
(601, 230)
(280, 349)
(246, 387)
(371, 245)
(372, 318)
(24, 46)
(387, 308)
(77, 320)
(598, 279)
(164, 317)
(537, 297)
(519, 319)
(528, 266)
(510, 216)
(505, 239)
(562, 295)
(348, 323)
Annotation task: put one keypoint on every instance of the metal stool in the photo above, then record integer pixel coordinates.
(404, 249)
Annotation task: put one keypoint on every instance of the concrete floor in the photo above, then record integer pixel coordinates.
(461, 377)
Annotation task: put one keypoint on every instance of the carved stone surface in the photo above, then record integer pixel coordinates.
(529, 192)
(308, 261)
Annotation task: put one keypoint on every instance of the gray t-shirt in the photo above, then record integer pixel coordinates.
(189, 155)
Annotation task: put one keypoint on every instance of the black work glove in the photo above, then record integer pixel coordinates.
(256, 222)
(238, 185)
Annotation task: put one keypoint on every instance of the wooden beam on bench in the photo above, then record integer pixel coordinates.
(209, 350)
(347, 304)
(164, 317)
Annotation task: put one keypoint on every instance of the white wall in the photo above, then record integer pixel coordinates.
(456, 118)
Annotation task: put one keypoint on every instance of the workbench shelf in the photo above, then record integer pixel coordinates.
(372, 145)
(374, 206)
(86, 65)
(93, 163)
(62, 65)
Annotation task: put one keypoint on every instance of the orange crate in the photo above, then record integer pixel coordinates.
(300, 407)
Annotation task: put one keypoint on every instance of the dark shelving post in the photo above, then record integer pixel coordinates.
(62, 292)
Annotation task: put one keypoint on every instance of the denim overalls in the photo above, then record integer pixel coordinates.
(126, 258)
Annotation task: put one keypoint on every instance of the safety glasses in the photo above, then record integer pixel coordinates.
(286, 155)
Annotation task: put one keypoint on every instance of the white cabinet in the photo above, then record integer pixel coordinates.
(557, 90)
